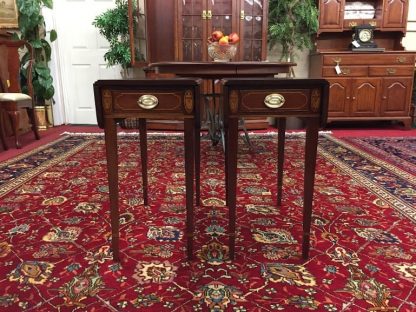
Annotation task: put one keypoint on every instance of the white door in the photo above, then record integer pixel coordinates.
(81, 50)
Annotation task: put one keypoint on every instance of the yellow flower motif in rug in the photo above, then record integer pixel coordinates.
(69, 234)
(54, 201)
(155, 272)
(273, 236)
(407, 270)
(31, 272)
(288, 273)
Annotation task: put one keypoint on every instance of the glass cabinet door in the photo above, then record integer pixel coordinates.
(222, 16)
(197, 20)
(191, 31)
(138, 29)
(253, 28)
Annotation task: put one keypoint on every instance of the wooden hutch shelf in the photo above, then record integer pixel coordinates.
(368, 84)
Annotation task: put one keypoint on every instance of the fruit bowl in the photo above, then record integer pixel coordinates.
(222, 53)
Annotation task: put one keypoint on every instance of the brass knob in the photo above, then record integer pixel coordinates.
(274, 100)
(391, 71)
(147, 101)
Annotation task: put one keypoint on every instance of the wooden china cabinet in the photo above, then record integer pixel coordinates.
(366, 84)
(177, 30)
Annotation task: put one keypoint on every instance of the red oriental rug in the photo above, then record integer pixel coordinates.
(55, 233)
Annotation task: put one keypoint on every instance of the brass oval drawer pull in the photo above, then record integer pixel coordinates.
(391, 71)
(147, 101)
(400, 59)
(346, 71)
(274, 100)
(352, 24)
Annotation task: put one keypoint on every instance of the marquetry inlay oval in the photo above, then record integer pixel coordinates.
(233, 98)
(315, 100)
(107, 100)
(189, 101)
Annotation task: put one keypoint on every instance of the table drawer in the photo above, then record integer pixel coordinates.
(391, 71)
(367, 59)
(147, 101)
(290, 100)
(353, 71)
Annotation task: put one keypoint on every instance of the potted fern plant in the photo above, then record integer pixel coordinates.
(292, 24)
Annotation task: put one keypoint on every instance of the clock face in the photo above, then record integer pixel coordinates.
(364, 35)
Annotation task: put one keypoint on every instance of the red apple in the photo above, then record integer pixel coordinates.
(233, 38)
(217, 35)
(223, 40)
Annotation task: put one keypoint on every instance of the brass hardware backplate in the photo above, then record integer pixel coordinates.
(147, 101)
(274, 100)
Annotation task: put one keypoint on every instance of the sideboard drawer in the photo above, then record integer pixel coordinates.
(368, 59)
(353, 71)
(167, 102)
(293, 100)
(391, 71)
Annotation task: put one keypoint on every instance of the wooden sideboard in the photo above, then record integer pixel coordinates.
(366, 84)
(370, 86)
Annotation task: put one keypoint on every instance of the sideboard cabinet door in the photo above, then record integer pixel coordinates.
(395, 14)
(331, 15)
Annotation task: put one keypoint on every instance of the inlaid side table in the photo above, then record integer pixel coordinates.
(175, 98)
(281, 98)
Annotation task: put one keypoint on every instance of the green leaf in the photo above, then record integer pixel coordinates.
(47, 49)
(48, 3)
(36, 43)
(53, 35)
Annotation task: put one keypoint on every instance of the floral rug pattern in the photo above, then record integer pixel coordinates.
(55, 229)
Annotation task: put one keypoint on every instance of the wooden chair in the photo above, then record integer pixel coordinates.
(169, 99)
(281, 98)
(12, 100)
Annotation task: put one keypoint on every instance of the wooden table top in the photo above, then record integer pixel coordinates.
(216, 70)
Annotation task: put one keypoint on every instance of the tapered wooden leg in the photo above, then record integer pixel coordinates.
(15, 119)
(2, 135)
(312, 128)
(280, 157)
(112, 169)
(197, 150)
(32, 118)
(189, 182)
(143, 156)
(231, 180)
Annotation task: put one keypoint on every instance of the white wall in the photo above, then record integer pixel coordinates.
(409, 42)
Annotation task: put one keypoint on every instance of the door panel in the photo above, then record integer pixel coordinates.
(253, 29)
(339, 97)
(365, 97)
(396, 95)
(81, 51)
